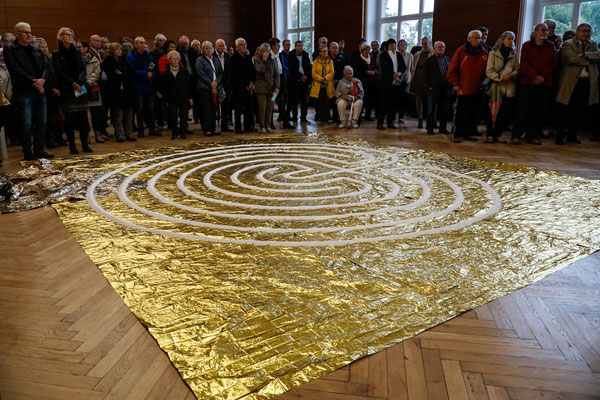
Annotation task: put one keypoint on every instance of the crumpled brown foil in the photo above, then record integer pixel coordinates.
(244, 319)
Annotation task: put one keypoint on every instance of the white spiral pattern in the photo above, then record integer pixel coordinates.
(295, 194)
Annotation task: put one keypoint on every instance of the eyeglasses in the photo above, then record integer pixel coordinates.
(26, 32)
(68, 34)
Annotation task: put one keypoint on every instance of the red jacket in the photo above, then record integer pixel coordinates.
(467, 70)
(537, 61)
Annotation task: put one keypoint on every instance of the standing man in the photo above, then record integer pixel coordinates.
(466, 72)
(144, 67)
(438, 89)
(405, 78)
(300, 78)
(356, 53)
(93, 60)
(281, 64)
(188, 58)
(241, 78)
(224, 58)
(323, 41)
(392, 68)
(578, 84)
(28, 69)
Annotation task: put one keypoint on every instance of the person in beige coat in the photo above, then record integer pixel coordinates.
(503, 70)
(578, 84)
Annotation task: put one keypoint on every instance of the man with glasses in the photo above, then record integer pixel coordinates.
(29, 70)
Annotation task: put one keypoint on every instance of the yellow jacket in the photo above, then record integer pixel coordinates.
(318, 79)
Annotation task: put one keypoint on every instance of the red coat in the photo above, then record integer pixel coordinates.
(467, 70)
(537, 61)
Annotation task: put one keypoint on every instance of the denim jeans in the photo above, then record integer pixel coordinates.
(32, 115)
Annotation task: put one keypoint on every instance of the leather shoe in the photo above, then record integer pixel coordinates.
(430, 132)
(574, 140)
(471, 138)
(87, 149)
(392, 126)
(381, 127)
(457, 139)
(536, 142)
(445, 131)
(288, 126)
(29, 157)
(226, 130)
(43, 154)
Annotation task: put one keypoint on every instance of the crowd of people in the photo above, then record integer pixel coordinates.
(553, 83)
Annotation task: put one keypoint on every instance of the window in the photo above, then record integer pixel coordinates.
(569, 14)
(299, 24)
(405, 19)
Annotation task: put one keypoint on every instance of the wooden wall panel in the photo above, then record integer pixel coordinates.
(201, 19)
(339, 19)
(453, 20)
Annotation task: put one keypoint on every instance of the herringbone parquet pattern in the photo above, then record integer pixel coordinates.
(65, 334)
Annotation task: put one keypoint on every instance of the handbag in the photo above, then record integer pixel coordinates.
(486, 84)
(221, 93)
(93, 92)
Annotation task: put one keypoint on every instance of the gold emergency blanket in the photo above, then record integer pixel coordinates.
(261, 265)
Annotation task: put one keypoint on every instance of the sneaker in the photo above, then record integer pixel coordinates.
(489, 139)
(341, 125)
(270, 130)
(263, 130)
(354, 125)
(500, 140)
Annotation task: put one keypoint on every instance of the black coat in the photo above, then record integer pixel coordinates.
(176, 89)
(241, 72)
(22, 71)
(119, 92)
(432, 75)
(387, 68)
(338, 67)
(294, 67)
(361, 68)
(226, 69)
(69, 68)
(192, 55)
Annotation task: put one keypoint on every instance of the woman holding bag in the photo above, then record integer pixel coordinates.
(210, 76)
(502, 69)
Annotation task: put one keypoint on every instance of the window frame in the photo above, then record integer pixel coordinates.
(421, 16)
(288, 31)
(541, 4)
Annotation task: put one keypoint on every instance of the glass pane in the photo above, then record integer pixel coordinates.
(306, 37)
(410, 7)
(305, 14)
(409, 31)
(428, 6)
(389, 30)
(562, 14)
(590, 12)
(427, 27)
(293, 39)
(390, 8)
(293, 17)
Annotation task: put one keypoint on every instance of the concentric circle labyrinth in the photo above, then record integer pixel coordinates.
(294, 194)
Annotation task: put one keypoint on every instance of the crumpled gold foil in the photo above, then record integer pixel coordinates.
(246, 310)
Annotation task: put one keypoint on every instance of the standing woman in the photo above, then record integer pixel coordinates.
(266, 83)
(322, 87)
(503, 70)
(119, 94)
(210, 75)
(366, 71)
(71, 76)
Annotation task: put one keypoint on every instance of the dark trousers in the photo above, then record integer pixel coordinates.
(467, 115)
(158, 111)
(323, 105)
(282, 107)
(402, 100)
(10, 123)
(225, 112)
(178, 111)
(208, 111)
(77, 121)
(439, 100)
(495, 129)
(243, 103)
(389, 98)
(571, 115)
(32, 115)
(98, 119)
(298, 93)
(144, 108)
(532, 104)
(370, 99)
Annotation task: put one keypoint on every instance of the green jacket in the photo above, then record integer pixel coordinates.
(574, 60)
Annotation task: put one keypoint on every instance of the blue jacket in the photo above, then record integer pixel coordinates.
(140, 65)
(205, 71)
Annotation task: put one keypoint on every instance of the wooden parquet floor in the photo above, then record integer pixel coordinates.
(65, 333)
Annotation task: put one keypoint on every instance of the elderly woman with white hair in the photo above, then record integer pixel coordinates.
(177, 94)
(266, 84)
(210, 76)
(71, 75)
(349, 92)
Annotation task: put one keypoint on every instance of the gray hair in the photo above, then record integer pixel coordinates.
(160, 36)
(474, 32)
(239, 40)
(205, 44)
(127, 48)
(262, 48)
(439, 41)
(335, 44)
(21, 25)
(551, 21)
(172, 54)
(348, 68)
(194, 41)
(585, 24)
(503, 36)
(137, 39)
(8, 37)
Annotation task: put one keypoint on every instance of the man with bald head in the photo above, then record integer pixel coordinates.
(188, 58)
(224, 57)
(438, 89)
(93, 61)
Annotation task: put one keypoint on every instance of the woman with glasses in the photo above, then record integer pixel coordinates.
(322, 87)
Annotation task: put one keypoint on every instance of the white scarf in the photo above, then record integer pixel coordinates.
(174, 70)
(367, 59)
(394, 58)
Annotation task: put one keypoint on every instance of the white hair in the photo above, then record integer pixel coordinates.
(335, 44)
(205, 44)
(348, 68)
(160, 36)
(238, 41)
(21, 25)
(137, 39)
(194, 41)
(439, 41)
(173, 53)
(474, 32)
